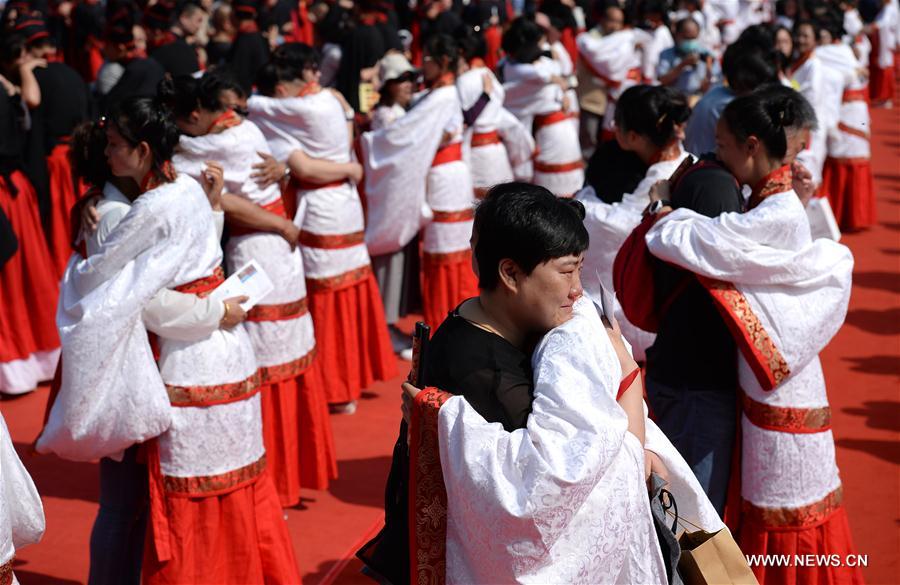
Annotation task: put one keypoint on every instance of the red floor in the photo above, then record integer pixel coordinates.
(862, 367)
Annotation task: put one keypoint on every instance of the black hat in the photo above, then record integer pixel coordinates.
(119, 27)
(159, 16)
(246, 8)
(33, 28)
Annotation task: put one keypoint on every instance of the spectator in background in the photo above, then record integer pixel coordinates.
(250, 49)
(688, 67)
(746, 67)
(222, 37)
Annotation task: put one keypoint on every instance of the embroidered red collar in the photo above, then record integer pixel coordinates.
(778, 181)
(228, 119)
(444, 80)
(801, 61)
(154, 179)
(309, 89)
(668, 152)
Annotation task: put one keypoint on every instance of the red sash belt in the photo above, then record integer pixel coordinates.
(203, 286)
(854, 131)
(786, 419)
(804, 516)
(855, 95)
(558, 168)
(485, 139)
(334, 242)
(447, 154)
(276, 207)
(310, 186)
(453, 216)
(548, 119)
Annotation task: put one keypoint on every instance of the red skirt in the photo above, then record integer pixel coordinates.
(829, 538)
(881, 84)
(62, 197)
(29, 286)
(850, 189)
(297, 433)
(447, 280)
(351, 338)
(239, 537)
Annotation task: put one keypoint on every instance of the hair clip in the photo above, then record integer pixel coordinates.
(661, 119)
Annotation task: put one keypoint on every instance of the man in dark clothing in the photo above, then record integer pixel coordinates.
(692, 365)
(372, 35)
(250, 50)
(141, 76)
(166, 42)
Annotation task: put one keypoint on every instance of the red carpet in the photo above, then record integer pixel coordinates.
(862, 367)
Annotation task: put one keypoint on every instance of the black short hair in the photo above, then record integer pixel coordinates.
(521, 41)
(88, 154)
(527, 224)
(653, 111)
(747, 66)
(768, 113)
(186, 93)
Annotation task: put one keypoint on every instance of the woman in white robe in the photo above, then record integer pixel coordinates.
(447, 277)
(484, 149)
(847, 176)
(201, 402)
(806, 74)
(536, 94)
(21, 510)
(784, 296)
(295, 113)
(295, 414)
(650, 122)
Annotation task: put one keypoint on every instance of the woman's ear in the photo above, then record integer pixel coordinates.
(508, 273)
(145, 153)
(752, 145)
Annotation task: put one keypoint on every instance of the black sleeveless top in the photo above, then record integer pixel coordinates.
(496, 378)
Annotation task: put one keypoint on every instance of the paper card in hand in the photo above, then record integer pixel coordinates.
(250, 281)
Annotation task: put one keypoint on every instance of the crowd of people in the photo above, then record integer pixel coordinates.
(602, 208)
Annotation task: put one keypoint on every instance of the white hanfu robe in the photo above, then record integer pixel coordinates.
(344, 301)
(847, 175)
(284, 346)
(608, 226)
(21, 510)
(484, 149)
(562, 500)
(537, 101)
(325, 214)
(397, 160)
(617, 61)
(784, 296)
(808, 77)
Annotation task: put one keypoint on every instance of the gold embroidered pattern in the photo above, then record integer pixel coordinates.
(281, 312)
(339, 281)
(274, 374)
(785, 419)
(428, 496)
(216, 394)
(334, 242)
(203, 286)
(6, 572)
(758, 348)
(802, 517)
(206, 485)
(453, 216)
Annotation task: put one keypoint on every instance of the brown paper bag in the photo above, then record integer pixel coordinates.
(713, 558)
